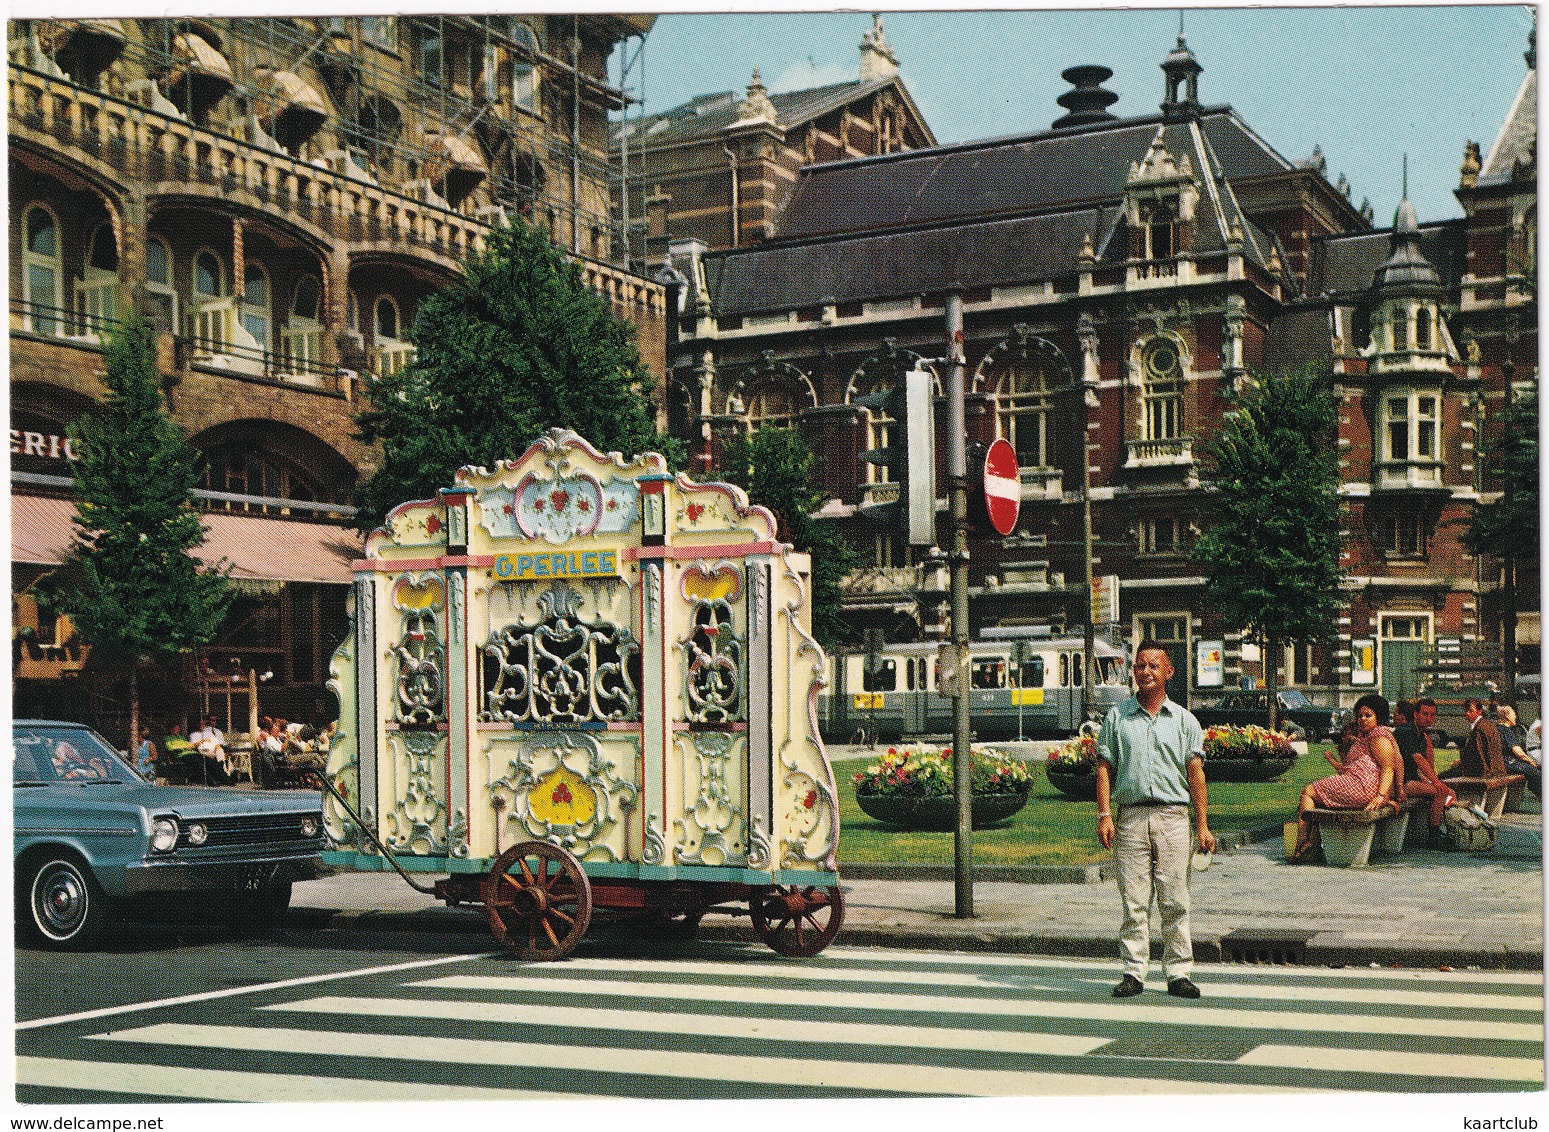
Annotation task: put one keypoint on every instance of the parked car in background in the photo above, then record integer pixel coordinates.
(94, 840)
(1299, 716)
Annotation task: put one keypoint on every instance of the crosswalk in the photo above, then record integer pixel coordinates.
(726, 1022)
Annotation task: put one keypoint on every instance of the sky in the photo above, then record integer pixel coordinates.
(1366, 84)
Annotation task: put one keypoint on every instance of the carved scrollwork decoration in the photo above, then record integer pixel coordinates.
(713, 679)
(421, 685)
(417, 822)
(711, 830)
(559, 786)
(562, 670)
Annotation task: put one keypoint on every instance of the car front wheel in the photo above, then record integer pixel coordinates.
(68, 906)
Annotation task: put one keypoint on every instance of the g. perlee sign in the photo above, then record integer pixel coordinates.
(587, 564)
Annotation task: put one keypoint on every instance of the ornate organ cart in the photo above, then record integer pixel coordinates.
(577, 682)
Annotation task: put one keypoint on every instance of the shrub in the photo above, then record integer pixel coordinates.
(920, 771)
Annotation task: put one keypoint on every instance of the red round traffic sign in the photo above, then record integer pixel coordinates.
(1002, 487)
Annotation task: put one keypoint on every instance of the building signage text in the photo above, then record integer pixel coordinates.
(570, 564)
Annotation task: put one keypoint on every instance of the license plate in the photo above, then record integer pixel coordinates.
(253, 878)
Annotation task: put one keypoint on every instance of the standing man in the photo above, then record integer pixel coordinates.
(1151, 769)
(1480, 755)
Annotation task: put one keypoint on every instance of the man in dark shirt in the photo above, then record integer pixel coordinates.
(1480, 755)
(1414, 746)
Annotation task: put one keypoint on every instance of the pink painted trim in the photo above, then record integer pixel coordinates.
(380, 566)
(728, 550)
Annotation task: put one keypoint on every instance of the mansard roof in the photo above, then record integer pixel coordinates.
(709, 114)
(1345, 266)
(1019, 174)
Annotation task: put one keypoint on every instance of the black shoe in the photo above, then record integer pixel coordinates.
(1182, 988)
(1128, 987)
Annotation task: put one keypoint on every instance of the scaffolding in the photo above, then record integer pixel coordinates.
(492, 83)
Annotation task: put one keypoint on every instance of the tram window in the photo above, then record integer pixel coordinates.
(1077, 669)
(882, 677)
(909, 674)
(1111, 669)
(1031, 674)
(1064, 670)
(989, 674)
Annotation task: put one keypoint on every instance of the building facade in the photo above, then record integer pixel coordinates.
(727, 155)
(278, 195)
(1119, 277)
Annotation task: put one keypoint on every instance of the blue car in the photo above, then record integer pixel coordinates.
(94, 840)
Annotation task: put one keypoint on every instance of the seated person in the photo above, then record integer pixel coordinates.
(1479, 755)
(1419, 757)
(1365, 777)
(210, 740)
(1514, 748)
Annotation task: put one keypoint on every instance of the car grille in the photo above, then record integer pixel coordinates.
(251, 830)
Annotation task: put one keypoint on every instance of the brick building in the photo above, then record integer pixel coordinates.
(1119, 275)
(279, 195)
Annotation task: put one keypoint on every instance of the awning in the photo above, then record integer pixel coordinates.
(289, 108)
(457, 166)
(256, 547)
(200, 75)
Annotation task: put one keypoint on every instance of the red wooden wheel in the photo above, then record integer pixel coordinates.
(797, 920)
(537, 900)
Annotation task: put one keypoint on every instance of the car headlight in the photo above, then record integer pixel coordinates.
(309, 827)
(198, 833)
(163, 835)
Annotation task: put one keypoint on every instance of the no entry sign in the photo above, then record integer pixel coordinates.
(1002, 487)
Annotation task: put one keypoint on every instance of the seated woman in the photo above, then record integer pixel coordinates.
(1365, 778)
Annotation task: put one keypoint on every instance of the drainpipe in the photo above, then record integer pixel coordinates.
(736, 193)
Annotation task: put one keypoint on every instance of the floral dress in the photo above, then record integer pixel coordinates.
(1356, 784)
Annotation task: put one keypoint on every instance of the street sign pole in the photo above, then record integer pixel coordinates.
(957, 477)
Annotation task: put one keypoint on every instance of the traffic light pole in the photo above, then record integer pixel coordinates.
(957, 477)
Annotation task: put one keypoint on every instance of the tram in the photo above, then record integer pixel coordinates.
(1024, 683)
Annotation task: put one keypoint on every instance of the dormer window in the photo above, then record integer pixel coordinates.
(1159, 223)
(1422, 329)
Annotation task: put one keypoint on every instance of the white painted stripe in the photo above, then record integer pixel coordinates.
(234, 1085)
(787, 971)
(1002, 487)
(704, 1025)
(1433, 1000)
(1460, 1067)
(812, 1074)
(901, 959)
(229, 992)
(1131, 1011)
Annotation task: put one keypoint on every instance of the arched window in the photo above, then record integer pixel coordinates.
(386, 317)
(1423, 329)
(96, 295)
(1162, 375)
(1400, 328)
(158, 280)
(257, 311)
(1159, 221)
(1025, 403)
(209, 277)
(303, 338)
(213, 319)
(43, 272)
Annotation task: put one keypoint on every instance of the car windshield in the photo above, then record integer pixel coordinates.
(1294, 699)
(64, 754)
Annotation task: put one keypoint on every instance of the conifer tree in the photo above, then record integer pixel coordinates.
(518, 346)
(1271, 549)
(775, 468)
(132, 587)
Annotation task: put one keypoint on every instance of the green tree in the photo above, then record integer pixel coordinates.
(132, 586)
(1507, 528)
(518, 346)
(1271, 550)
(775, 468)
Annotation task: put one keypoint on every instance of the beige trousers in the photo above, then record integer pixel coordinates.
(1151, 855)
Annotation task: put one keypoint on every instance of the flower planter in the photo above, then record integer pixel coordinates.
(1246, 770)
(938, 812)
(1078, 783)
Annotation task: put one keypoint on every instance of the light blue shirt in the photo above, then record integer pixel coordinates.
(1149, 755)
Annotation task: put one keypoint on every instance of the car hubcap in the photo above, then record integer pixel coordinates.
(60, 900)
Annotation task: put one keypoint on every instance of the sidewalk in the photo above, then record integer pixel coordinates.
(1424, 909)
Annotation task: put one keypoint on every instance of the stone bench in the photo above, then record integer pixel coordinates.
(1349, 838)
(1489, 793)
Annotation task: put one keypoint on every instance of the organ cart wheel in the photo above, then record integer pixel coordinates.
(797, 920)
(537, 900)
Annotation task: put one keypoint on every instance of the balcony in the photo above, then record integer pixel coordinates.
(880, 582)
(391, 356)
(1174, 452)
(1042, 484)
(118, 137)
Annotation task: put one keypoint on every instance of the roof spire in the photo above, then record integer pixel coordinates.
(1182, 71)
(877, 58)
(1406, 176)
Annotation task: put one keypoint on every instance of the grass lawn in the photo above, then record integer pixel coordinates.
(1053, 830)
